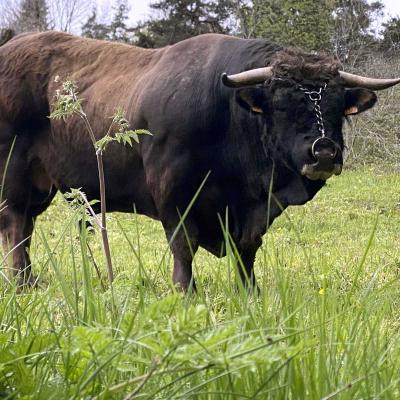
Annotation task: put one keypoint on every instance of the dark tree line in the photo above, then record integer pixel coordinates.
(116, 30)
(177, 20)
(345, 27)
(40, 15)
(28, 15)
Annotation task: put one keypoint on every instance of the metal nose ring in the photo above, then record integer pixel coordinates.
(322, 143)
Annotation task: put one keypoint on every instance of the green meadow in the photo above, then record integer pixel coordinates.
(324, 326)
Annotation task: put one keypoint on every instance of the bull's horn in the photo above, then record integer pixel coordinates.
(352, 80)
(251, 77)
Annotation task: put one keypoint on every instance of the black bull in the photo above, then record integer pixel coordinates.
(254, 135)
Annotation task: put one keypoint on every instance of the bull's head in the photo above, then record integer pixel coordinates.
(304, 106)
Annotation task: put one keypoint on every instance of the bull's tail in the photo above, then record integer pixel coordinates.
(6, 35)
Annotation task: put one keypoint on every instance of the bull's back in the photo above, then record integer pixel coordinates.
(106, 73)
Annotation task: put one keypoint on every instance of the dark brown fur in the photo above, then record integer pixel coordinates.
(299, 66)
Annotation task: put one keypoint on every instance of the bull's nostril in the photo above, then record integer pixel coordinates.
(324, 154)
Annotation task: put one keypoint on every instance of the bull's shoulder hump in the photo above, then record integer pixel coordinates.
(212, 37)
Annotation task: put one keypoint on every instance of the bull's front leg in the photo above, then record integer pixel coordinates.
(246, 268)
(255, 222)
(183, 244)
(257, 219)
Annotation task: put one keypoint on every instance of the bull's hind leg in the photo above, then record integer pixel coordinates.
(16, 227)
(23, 201)
(16, 230)
(16, 224)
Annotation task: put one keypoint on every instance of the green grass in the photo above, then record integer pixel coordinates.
(326, 324)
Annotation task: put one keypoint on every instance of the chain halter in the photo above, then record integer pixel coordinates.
(322, 142)
(315, 96)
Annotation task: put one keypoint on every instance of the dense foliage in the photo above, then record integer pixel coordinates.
(350, 29)
(344, 27)
(391, 35)
(116, 30)
(177, 20)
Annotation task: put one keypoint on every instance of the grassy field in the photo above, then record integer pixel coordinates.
(326, 324)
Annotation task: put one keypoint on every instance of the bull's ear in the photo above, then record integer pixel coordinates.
(252, 99)
(358, 100)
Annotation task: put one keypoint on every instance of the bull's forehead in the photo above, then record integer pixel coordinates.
(301, 66)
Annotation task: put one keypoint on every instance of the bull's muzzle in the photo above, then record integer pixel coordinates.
(325, 151)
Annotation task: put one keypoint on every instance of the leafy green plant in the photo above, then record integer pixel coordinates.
(67, 104)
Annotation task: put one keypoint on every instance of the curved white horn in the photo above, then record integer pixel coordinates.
(352, 80)
(250, 77)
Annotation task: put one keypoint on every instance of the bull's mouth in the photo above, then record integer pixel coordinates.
(312, 172)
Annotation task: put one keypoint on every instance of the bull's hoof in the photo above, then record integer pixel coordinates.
(26, 281)
(186, 287)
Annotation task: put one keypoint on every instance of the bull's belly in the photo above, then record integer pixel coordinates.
(125, 180)
(216, 247)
